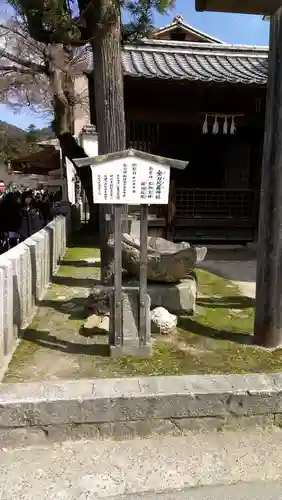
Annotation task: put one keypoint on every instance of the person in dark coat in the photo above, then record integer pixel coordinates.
(45, 207)
(11, 219)
(31, 220)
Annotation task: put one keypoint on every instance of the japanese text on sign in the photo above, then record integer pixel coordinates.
(131, 181)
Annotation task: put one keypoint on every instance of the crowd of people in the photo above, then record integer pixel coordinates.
(23, 213)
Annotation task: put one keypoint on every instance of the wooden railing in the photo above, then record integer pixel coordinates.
(207, 205)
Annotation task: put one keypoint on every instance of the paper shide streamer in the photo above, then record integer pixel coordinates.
(205, 126)
(215, 128)
(218, 123)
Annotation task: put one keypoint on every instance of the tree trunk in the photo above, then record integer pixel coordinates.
(268, 320)
(109, 101)
(63, 103)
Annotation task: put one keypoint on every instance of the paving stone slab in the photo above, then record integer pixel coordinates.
(136, 399)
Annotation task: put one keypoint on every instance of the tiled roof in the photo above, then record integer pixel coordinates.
(196, 62)
(205, 62)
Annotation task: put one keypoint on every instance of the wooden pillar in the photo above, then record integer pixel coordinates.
(171, 208)
(143, 306)
(118, 276)
(268, 319)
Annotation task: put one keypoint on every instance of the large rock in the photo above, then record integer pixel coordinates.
(167, 262)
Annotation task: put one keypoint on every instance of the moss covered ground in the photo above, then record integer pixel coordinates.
(218, 339)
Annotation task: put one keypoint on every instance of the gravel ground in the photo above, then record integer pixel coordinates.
(98, 469)
(240, 491)
(236, 264)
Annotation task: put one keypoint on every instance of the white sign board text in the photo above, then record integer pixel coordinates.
(131, 181)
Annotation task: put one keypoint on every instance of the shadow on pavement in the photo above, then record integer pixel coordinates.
(76, 282)
(206, 331)
(80, 263)
(235, 302)
(48, 341)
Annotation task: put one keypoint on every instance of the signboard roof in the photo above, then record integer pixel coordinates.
(127, 153)
(262, 7)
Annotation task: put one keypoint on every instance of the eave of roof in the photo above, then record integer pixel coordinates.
(40, 162)
(179, 46)
(193, 61)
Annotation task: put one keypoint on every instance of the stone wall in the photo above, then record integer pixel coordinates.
(25, 272)
(33, 413)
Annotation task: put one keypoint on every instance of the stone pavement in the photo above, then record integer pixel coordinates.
(100, 469)
(238, 264)
(269, 490)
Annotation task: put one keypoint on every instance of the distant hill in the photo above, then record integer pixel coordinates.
(15, 142)
(11, 130)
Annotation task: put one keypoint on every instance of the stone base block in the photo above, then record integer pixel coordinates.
(134, 350)
(130, 329)
(176, 297)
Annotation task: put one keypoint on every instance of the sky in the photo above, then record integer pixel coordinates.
(231, 28)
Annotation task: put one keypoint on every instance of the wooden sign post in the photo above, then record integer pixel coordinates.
(130, 178)
(268, 318)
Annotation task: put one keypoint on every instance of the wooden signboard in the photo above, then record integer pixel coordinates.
(130, 181)
(130, 178)
(261, 7)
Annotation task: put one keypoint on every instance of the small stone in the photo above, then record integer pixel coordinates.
(162, 321)
(93, 322)
(91, 261)
(235, 312)
(105, 324)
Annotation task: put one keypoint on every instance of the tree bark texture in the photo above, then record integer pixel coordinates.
(109, 104)
(268, 318)
(63, 124)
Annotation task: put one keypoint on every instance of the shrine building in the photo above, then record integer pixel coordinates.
(190, 96)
